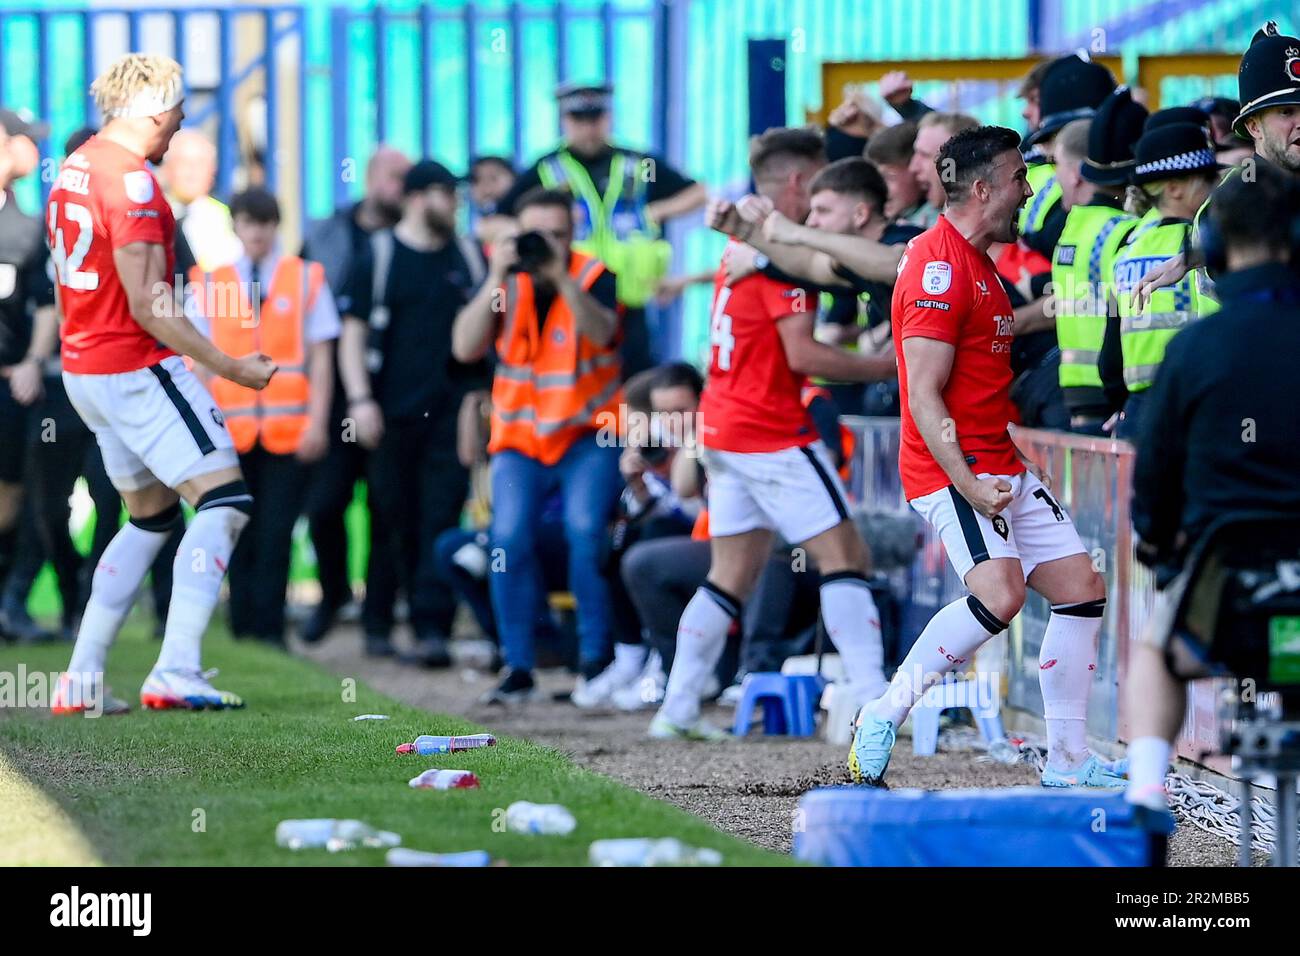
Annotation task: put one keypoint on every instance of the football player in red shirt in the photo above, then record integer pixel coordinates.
(768, 472)
(111, 234)
(999, 523)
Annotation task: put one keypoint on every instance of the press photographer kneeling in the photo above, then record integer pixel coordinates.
(1217, 444)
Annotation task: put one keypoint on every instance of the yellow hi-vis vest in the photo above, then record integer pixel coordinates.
(614, 227)
(1047, 193)
(1082, 281)
(1144, 335)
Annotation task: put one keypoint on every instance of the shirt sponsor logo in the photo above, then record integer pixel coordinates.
(139, 185)
(932, 304)
(936, 278)
(142, 214)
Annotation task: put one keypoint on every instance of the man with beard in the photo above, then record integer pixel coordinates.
(999, 524)
(404, 389)
(1268, 82)
(335, 243)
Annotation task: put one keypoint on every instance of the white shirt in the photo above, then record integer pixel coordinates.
(321, 324)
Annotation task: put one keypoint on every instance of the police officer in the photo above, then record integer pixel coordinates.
(1176, 169)
(1083, 265)
(1268, 83)
(1194, 461)
(1072, 88)
(622, 198)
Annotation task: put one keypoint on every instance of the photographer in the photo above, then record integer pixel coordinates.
(552, 313)
(1209, 447)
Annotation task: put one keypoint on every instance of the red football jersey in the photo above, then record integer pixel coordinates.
(105, 197)
(948, 290)
(751, 401)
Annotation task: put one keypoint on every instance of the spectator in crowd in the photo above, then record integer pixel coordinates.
(852, 125)
(1030, 90)
(932, 131)
(1192, 465)
(282, 307)
(1094, 159)
(661, 405)
(1071, 88)
(188, 172)
(622, 200)
(336, 243)
(490, 179)
(1176, 169)
(402, 299)
(26, 297)
(1220, 113)
(890, 151)
(552, 312)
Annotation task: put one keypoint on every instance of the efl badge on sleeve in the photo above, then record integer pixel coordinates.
(139, 185)
(937, 277)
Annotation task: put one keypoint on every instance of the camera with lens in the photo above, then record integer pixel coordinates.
(534, 251)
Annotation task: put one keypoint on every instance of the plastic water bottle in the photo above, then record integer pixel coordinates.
(547, 818)
(333, 835)
(648, 852)
(427, 744)
(401, 856)
(436, 779)
(1004, 751)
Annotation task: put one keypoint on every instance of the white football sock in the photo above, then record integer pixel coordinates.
(629, 661)
(201, 562)
(1066, 664)
(113, 587)
(853, 625)
(1148, 762)
(954, 634)
(701, 636)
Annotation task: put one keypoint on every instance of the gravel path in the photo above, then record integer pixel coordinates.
(746, 787)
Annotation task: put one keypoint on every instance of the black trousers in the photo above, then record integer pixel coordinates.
(329, 492)
(417, 490)
(259, 567)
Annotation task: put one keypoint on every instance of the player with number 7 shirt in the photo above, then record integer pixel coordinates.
(162, 436)
(767, 471)
(991, 507)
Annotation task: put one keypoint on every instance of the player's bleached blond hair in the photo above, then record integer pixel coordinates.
(138, 84)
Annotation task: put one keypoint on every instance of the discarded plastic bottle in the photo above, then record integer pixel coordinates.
(547, 818)
(648, 852)
(333, 835)
(400, 856)
(426, 744)
(436, 779)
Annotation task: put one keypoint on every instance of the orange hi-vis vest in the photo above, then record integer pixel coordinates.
(552, 385)
(848, 441)
(277, 415)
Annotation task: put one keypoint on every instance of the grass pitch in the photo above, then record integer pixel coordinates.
(179, 788)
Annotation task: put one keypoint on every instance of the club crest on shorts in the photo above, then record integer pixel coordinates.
(937, 277)
(1000, 526)
(139, 185)
(218, 417)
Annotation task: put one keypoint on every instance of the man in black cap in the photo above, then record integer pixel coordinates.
(1071, 88)
(1093, 159)
(404, 399)
(622, 198)
(1268, 82)
(25, 289)
(1175, 167)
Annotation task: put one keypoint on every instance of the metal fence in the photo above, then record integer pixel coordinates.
(1092, 479)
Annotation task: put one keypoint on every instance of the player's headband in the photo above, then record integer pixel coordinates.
(151, 101)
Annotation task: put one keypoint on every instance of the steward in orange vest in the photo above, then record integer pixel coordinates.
(276, 416)
(552, 385)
